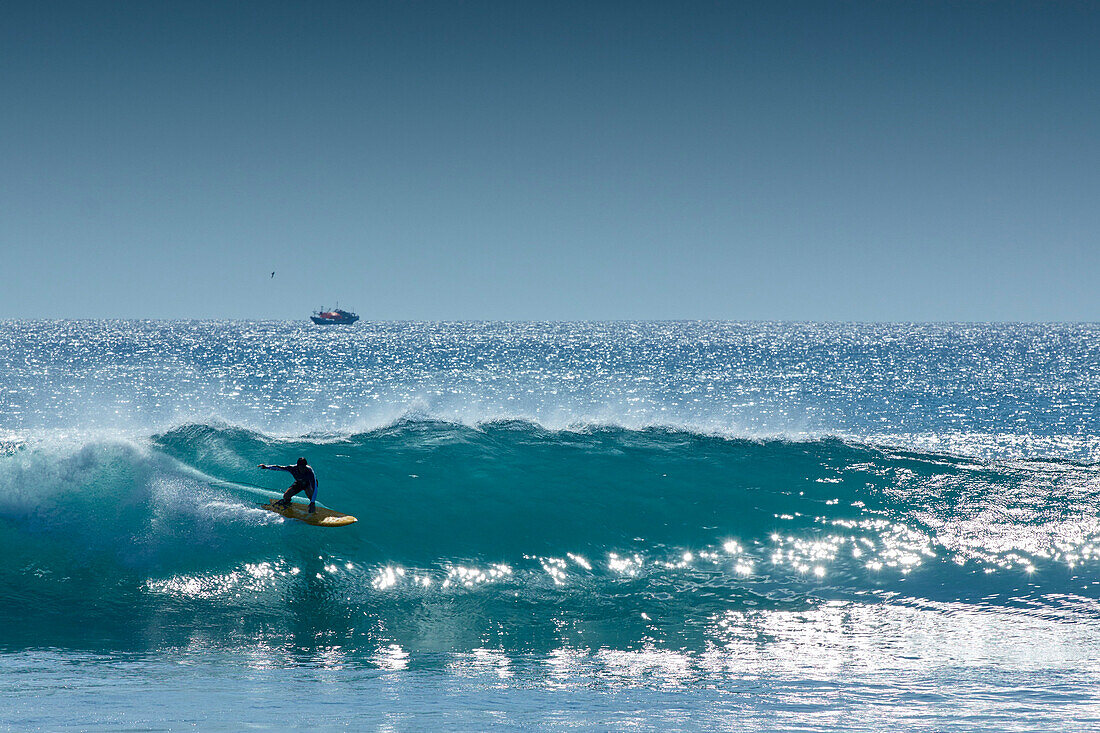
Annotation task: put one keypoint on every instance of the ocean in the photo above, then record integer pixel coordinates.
(562, 526)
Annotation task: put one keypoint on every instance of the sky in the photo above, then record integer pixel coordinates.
(513, 160)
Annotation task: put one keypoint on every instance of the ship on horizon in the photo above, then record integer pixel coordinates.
(334, 317)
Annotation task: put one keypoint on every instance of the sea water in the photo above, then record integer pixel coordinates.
(612, 526)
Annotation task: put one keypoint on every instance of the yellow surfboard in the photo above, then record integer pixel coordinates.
(320, 518)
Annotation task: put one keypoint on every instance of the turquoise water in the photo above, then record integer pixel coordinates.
(655, 526)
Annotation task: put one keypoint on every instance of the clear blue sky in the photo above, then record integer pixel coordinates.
(551, 160)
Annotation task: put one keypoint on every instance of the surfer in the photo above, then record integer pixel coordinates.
(304, 480)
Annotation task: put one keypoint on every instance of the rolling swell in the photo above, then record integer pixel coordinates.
(518, 536)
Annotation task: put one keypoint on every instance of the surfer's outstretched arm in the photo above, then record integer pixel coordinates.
(274, 468)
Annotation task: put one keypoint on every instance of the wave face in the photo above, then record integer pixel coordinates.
(515, 536)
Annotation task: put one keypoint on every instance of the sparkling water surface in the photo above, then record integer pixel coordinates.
(1029, 385)
(650, 526)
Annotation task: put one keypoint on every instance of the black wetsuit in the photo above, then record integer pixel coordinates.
(304, 480)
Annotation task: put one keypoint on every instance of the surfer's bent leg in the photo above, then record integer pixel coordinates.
(295, 488)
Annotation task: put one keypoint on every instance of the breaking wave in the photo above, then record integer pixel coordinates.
(513, 535)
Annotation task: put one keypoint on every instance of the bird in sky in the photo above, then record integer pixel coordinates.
(272, 273)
